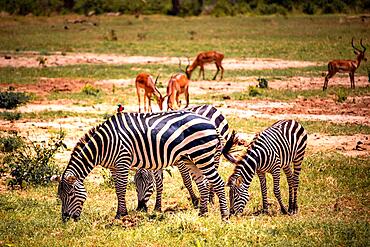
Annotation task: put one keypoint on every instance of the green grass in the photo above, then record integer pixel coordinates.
(254, 125)
(322, 38)
(333, 205)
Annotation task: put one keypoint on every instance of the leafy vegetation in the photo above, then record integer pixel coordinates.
(11, 100)
(183, 8)
(30, 162)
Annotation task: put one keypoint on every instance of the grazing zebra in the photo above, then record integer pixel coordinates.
(145, 183)
(271, 150)
(143, 140)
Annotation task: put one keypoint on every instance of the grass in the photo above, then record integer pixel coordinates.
(254, 125)
(322, 39)
(332, 198)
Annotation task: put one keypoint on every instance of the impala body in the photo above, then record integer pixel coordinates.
(204, 58)
(145, 81)
(346, 66)
(178, 84)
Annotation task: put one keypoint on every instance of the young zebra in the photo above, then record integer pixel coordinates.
(271, 150)
(152, 141)
(145, 182)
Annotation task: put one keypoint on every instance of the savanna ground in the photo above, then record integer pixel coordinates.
(290, 52)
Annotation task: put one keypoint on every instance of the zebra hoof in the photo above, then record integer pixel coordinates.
(195, 202)
(120, 215)
(283, 211)
(142, 207)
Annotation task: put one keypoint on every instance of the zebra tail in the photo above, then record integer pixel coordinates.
(227, 149)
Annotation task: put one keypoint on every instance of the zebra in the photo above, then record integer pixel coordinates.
(271, 150)
(145, 182)
(143, 140)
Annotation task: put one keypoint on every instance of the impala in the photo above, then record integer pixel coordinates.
(178, 84)
(346, 66)
(204, 58)
(145, 81)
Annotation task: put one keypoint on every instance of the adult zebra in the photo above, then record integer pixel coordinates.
(273, 149)
(152, 141)
(145, 179)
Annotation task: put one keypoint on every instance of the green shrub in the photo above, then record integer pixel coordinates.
(10, 143)
(309, 8)
(341, 96)
(10, 116)
(32, 163)
(253, 91)
(90, 90)
(269, 9)
(11, 100)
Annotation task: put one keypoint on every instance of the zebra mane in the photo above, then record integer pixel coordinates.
(85, 138)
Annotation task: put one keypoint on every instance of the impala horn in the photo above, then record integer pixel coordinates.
(362, 45)
(354, 46)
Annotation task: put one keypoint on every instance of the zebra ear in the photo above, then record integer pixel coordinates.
(239, 181)
(71, 179)
(55, 178)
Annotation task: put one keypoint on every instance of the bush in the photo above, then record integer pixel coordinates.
(253, 91)
(269, 9)
(10, 116)
(11, 100)
(90, 90)
(309, 8)
(11, 143)
(31, 162)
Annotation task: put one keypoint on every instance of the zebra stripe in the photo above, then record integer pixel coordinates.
(152, 141)
(271, 150)
(146, 188)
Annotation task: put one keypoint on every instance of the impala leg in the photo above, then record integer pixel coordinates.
(327, 77)
(149, 104)
(177, 99)
(202, 70)
(222, 72)
(138, 96)
(352, 79)
(145, 102)
(218, 69)
(187, 96)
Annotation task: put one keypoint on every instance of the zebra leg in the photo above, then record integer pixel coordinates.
(202, 187)
(276, 178)
(158, 177)
(185, 174)
(289, 177)
(262, 179)
(297, 171)
(121, 176)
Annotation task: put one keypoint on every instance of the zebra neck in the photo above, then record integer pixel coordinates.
(248, 166)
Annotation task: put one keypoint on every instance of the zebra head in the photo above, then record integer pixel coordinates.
(238, 194)
(144, 181)
(73, 194)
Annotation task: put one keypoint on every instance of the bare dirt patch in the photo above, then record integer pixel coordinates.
(32, 59)
(48, 85)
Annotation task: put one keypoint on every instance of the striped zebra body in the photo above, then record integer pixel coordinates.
(271, 150)
(152, 141)
(146, 188)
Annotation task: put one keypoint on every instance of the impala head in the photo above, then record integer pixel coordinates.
(238, 194)
(72, 193)
(160, 98)
(359, 53)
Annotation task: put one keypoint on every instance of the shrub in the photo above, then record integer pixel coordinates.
(11, 100)
(341, 96)
(32, 163)
(309, 8)
(10, 116)
(90, 90)
(10, 143)
(253, 91)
